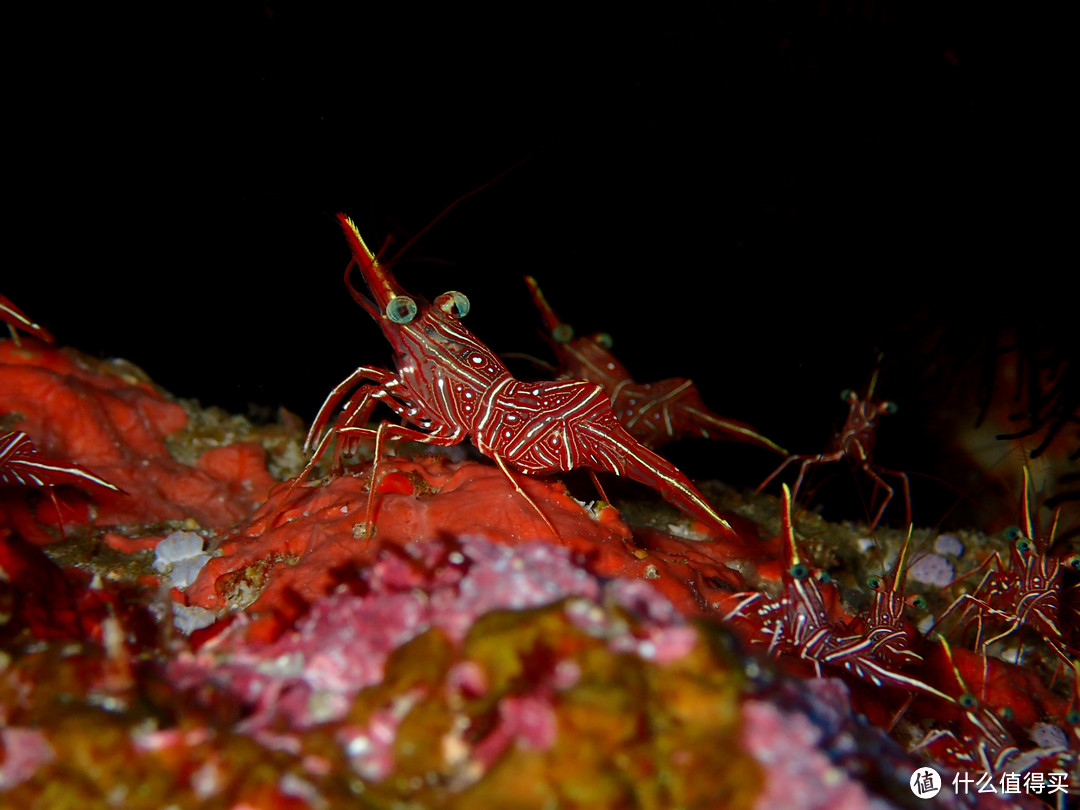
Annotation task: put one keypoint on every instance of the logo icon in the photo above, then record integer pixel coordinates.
(925, 783)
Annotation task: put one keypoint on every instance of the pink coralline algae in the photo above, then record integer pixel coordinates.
(798, 775)
(460, 657)
(25, 751)
(310, 674)
(815, 755)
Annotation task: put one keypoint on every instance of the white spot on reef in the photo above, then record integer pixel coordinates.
(189, 619)
(864, 544)
(1047, 736)
(180, 558)
(177, 546)
(932, 569)
(949, 544)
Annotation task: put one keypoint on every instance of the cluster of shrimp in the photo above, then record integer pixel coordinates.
(953, 718)
(804, 626)
(1018, 595)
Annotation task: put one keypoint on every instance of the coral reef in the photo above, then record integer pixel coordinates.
(211, 635)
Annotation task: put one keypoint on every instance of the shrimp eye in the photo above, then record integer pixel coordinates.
(1073, 717)
(889, 407)
(1023, 545)
(1005, 713)
(968, 700)
(401, 309)
(1013, 533)
(873, 583)
(824, 577)
(453, 303)
(563, 333)
(603, 339)
(918, 602)
(1072, 561)
(799, 570)
(847, 395)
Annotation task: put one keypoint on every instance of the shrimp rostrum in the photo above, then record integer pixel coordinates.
(449, 386)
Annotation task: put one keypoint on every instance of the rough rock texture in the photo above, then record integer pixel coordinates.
(213, 637)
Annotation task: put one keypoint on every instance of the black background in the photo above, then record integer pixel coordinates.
(760, 196)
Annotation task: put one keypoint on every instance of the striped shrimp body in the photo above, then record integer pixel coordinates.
(449, 386)
(797, 624)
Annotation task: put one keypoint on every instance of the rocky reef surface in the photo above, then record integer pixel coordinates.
(216, 634)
